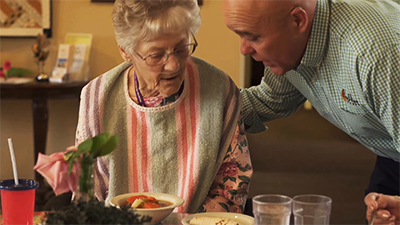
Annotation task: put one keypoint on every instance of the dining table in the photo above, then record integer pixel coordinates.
(172, 219)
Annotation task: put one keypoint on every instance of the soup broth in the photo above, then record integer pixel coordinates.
(164, 203)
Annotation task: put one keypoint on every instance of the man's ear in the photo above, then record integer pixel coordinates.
(300, 18)
(124, 55)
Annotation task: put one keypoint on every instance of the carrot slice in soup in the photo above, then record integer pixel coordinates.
(151, 205)
(133, 198)
(151, 198)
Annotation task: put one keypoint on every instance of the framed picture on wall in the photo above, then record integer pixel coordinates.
(199, 1)
(102, 0)
(25, 18)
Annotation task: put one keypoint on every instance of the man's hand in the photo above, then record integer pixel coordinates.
(385, 207)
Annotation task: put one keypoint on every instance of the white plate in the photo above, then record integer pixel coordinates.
(240, 218)
(16, 80)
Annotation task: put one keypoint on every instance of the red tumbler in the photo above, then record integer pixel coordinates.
(18, 201)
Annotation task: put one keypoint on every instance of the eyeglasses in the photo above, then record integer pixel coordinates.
(161, 58)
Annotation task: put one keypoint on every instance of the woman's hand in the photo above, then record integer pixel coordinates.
(385, 207)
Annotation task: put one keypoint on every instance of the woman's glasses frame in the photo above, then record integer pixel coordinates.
(164, 59)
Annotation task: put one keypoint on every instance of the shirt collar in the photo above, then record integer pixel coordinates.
(317, 42)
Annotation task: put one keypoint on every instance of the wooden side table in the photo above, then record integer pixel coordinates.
(39, 93)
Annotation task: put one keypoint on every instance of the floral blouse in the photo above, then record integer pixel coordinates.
(231, 185)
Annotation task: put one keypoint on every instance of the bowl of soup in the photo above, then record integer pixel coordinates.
(156, 205)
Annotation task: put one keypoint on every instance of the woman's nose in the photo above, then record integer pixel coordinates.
(172, 63)
(245, 47)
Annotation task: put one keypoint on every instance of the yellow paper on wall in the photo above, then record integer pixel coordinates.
(81, 39)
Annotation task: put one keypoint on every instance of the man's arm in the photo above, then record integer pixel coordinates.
(382, 85)
(274, 98)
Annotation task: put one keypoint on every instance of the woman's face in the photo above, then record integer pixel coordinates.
(166, 78)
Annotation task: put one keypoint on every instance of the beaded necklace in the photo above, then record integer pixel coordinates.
(139, 95)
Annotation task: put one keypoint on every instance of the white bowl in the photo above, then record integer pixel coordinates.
(240, 218)
(157, 214)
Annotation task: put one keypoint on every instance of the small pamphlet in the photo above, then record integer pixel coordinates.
(63, 63)
(77, 69)
(73, 59)
(80, 39)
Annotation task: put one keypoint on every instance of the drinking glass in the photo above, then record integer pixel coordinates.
(18, 201)
(311, 209)
(272, 209)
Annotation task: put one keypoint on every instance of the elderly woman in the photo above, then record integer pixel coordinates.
(176, 116)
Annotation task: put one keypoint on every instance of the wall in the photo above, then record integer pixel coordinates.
(217, 45)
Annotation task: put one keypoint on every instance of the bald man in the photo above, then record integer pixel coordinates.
(342, 56)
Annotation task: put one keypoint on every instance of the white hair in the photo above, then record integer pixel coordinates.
(146, 20)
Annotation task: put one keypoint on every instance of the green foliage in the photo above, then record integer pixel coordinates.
(100, 145)
(94, 212)
(18, 72)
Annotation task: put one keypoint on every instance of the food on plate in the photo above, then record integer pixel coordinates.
(144, 202)
(205, 220)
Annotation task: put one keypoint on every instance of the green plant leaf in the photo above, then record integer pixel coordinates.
(71, 160)
(71, 164)
(99, 145)
(108, 147)
(98, 142)
(85, 146)
(68, 155)
(94, 212)
(18, 72)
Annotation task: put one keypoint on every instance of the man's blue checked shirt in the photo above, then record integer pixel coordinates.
(350, 73)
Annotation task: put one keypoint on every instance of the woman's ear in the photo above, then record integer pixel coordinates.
(124, 55)
(300, 18)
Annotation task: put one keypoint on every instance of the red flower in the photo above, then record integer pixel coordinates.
(7, 65)
(226, 193)
(228, 169)
(2, 74)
